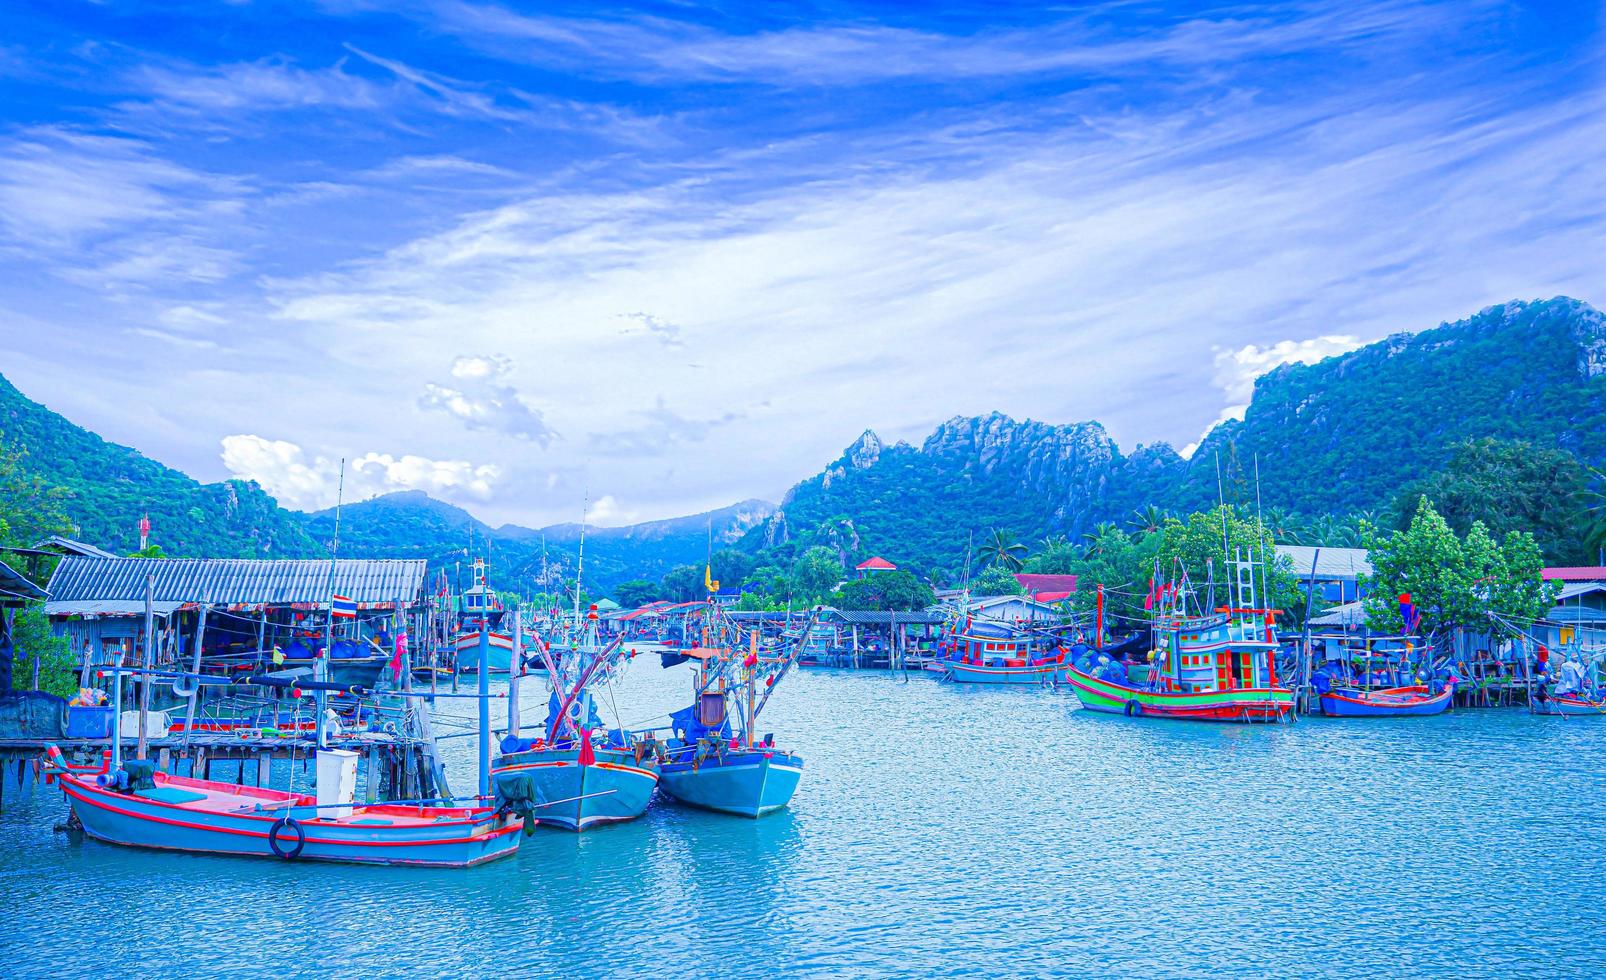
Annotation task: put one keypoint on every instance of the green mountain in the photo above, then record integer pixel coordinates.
(1350, 434)
(1335, 438)
(112, 486)
(411, 524)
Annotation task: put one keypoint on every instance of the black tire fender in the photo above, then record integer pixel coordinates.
(279, 827)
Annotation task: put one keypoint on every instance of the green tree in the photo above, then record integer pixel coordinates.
(1147, 519)
(815, 574)
(1001, 549)
(1196, 546)
(1059, 557)
(884, 592)
(1510, 486)
(31, 509)
(1453, 581)
(636, 592)
(997, 580)
(731, 567)
(684, 583)
(1105, 536)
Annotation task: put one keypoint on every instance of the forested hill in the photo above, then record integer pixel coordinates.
(411, 524)
(1349, 434)
(111, 486)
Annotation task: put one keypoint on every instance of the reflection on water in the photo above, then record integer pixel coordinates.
(939, 831)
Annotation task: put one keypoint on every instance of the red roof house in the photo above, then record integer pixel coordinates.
(875, 565)
(1047, 588)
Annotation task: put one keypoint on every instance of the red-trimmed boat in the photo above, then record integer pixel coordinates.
(1219, 667)
(1392, 702)
(139, 806)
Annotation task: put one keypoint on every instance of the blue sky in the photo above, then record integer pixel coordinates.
(677, 255)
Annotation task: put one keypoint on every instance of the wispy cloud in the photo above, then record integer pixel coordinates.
(483, 399)
(1089, 39)
(266, 84)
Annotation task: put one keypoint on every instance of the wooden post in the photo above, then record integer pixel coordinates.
(264, 769)
(195, 668)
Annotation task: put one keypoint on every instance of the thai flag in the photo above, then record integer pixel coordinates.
(343, 607)
(1409, 614)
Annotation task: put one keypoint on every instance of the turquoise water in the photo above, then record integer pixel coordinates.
(939, 831)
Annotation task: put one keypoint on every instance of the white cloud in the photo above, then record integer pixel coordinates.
(256, 85)
(606, 511)
(1236, 370)
(486, 401)
(285, 470)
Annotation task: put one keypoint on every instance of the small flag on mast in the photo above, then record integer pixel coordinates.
(343, 607)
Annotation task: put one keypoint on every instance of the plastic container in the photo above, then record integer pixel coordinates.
(84, 721)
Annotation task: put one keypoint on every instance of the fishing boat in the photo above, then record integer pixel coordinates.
(1578, 689)
(139, 806)
(1218, 667)
(499, 655)
(479, 610)
(579, 774)
(1415, 699)
(707, 763)
(986, 652)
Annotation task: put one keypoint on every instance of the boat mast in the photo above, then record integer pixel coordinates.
(329, 623)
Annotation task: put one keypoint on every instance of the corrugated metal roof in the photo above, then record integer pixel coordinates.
(109, 607)
(1332, 564)
(864, 617)
(1349, 614)
(229, 581)
(71, 547)
(15, 588)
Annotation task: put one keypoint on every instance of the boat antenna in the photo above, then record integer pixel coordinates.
(329, 622)
(580, 566)
(1260, 534)
(1226, 544)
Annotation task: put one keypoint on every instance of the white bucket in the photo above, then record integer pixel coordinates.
(337, 782)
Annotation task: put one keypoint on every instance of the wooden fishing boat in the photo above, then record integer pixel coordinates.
(708, 764)
(730, 777)
(993, 653)
(1416, 699)
(577, 778)
(1207, 668)
(141, 807)
(577, 784)
(1570, 705)
(500, 656)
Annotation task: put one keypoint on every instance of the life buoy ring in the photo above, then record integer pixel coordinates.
(279, 827)
(1134, 709)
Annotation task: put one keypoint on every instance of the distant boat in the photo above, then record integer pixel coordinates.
(1570, 705)
(141, 807)
(1386, 703)
(500, 653)
(995, 653)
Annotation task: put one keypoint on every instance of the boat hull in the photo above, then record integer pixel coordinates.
(1568, 705)
(1391, 703)
(1248, 705)
(499, 653)
(375, 836)
(745, 783)
(571, 796)
(963, 673)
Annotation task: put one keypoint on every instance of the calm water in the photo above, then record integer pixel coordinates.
(939, 831)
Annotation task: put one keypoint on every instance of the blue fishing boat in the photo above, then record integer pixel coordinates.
(139, 806)
(708, 763)
(1392, 702)
(578, 773)
(980, 652)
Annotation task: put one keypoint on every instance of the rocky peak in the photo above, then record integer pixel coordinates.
(864, 452)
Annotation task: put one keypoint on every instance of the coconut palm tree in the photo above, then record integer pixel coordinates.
(1593, 501)
(1147, 519)
(1000, 548)
(1286, 526)
(1104, 537)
